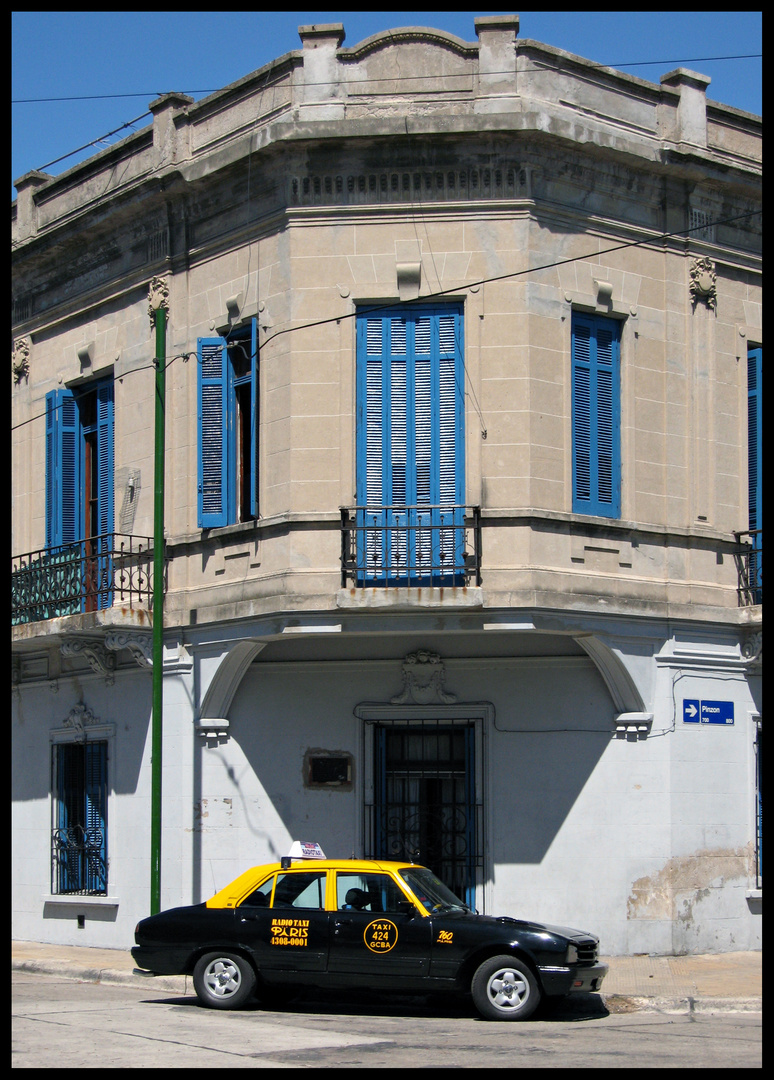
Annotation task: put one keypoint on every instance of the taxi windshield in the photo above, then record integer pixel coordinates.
(430, 890)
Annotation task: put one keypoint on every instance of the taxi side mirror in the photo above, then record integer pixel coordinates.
(406, 907)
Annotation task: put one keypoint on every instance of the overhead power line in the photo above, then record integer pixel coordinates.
(482, 281)
(397, 79)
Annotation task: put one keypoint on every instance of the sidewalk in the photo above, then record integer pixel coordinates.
(722, 982)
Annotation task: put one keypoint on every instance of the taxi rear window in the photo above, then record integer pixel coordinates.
(297, 889)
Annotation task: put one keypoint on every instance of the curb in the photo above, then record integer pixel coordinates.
(618, 1003)
(180, 984)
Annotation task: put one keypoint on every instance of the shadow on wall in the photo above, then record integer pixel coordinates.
(552, 724)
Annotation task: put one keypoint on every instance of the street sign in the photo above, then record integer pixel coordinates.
(707, 712)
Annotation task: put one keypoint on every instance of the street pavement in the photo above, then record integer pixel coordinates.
(718, 982)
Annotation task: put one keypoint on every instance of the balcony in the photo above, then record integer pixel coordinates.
(749, 565)
(89, 575)
(400, 546)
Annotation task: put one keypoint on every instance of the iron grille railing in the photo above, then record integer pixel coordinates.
(749, 566)
(410, 545)
(87, 575)
(78, 861)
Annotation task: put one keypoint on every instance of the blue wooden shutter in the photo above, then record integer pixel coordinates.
(105, 455)
(755, 468)
(95, 818)
(254, 419)
(213, 508)
(410, 442)
(596, 472)
(63, 481)
(105, 491)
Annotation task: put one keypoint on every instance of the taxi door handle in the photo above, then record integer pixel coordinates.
(344, 922)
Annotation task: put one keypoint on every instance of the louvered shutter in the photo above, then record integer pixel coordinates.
(254, 417)
(410, 442)
(596, 474)
(213, 433)
(95, 818)
(63, 485)
(105, 491)
(754, 468)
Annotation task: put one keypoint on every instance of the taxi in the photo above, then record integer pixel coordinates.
(344, 923)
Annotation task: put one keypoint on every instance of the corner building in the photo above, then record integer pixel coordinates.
(463, 524)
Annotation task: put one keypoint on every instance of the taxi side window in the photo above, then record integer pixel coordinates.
(368, 892)
(300, 889)
(261, 896)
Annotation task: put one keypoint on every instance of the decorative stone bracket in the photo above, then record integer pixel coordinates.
(101, 652)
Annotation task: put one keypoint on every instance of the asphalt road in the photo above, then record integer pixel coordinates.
(61, 1023)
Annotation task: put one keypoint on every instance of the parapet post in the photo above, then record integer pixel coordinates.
(691, 118)
(496, 62)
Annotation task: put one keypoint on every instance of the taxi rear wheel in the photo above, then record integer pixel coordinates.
(223, 980)
(504, 988)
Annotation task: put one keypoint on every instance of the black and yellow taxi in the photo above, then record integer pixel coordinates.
(309, 921)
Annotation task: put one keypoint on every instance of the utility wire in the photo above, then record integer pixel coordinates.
(361, 85)
(431, 296)
(520, 273)
(401, 78)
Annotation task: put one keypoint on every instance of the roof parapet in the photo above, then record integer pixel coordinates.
(690, 121)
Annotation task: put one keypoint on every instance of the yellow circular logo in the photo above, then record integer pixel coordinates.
(381, 935)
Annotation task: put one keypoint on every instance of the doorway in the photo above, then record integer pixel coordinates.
(424, 806)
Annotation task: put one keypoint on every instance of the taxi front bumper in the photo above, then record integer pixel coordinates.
(568, 980)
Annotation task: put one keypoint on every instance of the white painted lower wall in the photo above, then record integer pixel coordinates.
(647, 841)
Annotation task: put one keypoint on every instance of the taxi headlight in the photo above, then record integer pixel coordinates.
(572, 954)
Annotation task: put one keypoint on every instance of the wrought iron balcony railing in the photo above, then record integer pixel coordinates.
(749, 566)
(387, 546)
(88, 575)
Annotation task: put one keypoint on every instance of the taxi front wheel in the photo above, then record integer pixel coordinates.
(504, 988)
(223, 980)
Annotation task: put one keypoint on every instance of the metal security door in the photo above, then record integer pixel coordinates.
(425, 806)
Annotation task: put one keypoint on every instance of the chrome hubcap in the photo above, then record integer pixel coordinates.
(222, 978)
(508, 990)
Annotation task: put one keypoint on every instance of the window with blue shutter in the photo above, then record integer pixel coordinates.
(410, 445)
(754, 469)
(228, 428)
(596, 416)
(79, 491)
(79, 836)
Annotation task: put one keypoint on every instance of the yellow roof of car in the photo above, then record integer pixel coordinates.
(246, 882)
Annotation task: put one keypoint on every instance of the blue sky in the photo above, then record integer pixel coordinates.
(76, 54)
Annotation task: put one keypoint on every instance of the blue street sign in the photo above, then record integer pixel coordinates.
(707, 712)
(691, 711)
(717, 712)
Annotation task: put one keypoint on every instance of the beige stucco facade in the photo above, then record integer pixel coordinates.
(526, 184)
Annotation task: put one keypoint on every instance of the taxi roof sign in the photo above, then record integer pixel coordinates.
(305, 849)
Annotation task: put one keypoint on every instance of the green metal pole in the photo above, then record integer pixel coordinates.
(158, 610)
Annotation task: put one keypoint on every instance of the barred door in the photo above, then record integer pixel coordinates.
(425, 806)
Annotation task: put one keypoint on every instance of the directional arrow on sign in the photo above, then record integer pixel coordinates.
(691, 710)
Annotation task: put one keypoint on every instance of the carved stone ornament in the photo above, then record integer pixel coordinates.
(139, 645)
(79, 718)
(752, 648)
(158, 298)
(100, 659)
(703, 282)
(20, 361)
(423, 679)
